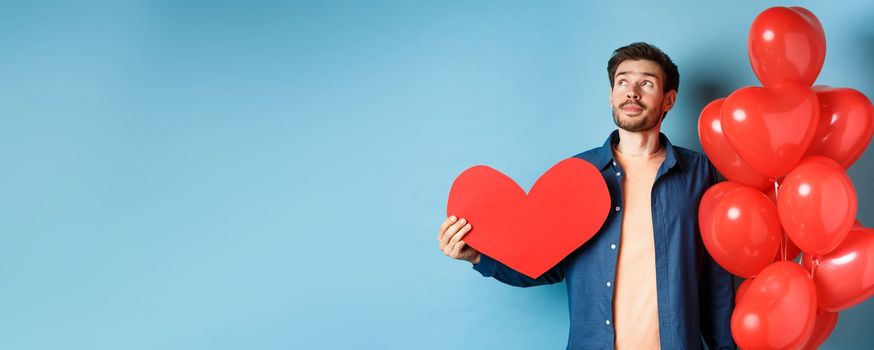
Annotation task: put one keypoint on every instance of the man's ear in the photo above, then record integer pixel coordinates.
(668, 101)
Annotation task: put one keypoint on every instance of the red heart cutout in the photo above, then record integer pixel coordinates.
(771, 127)
(531, 233)
(846, 125)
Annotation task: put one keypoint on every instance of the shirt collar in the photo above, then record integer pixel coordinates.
(604, 154)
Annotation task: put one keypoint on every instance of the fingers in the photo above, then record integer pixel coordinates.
(458, 235)
(451, 231)
(456, 251)
(455, 245)
(449, 221)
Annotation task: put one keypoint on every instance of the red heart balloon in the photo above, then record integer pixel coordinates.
(823, 326)
(771, 127)
(817, 205)
(845, 276)
(777, 311)
(786, 43)
(717, 148)
(846, 125)
(739, 227)
(531, 233)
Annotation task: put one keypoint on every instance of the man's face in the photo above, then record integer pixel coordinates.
(637, 98)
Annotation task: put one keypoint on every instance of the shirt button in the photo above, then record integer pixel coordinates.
(609, 284)
(617, 208)
(612, 246)
(618, 174)
(614, 163)
(607, 322)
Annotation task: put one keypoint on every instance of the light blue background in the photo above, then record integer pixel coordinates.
(271, 175)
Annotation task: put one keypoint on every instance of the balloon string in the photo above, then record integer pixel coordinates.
(783, 241)
(815, 260)
(776, 188)
(785, 247)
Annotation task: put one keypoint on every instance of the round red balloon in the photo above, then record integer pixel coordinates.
(786, 43)
(709, 202)
(845, 276)
(771, 127)
(739, 228)
(845, 127)
(742, 289)
(719, 151)
(777, 311)
(817, 205)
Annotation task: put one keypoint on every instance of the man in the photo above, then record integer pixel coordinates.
(644, 281)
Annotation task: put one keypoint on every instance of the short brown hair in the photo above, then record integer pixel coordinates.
(644, 51)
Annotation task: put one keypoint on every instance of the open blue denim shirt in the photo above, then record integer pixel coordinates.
(695, 295)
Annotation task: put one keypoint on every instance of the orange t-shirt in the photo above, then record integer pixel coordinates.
(635, 298)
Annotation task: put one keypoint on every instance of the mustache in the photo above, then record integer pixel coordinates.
(630, 102)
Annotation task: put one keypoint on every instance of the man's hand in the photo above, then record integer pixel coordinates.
(451, 232)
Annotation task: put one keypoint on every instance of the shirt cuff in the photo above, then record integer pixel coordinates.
(486, 265)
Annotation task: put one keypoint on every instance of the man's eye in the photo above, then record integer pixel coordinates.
(622, 83)
(647, 83)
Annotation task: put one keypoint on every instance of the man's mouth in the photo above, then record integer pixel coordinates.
(630, 107)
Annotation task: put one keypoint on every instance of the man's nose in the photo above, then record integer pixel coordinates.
(633, 94)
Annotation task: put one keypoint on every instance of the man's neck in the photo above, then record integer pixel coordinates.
(637, 144)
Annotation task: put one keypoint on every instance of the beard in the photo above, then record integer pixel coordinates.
(648, 119)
